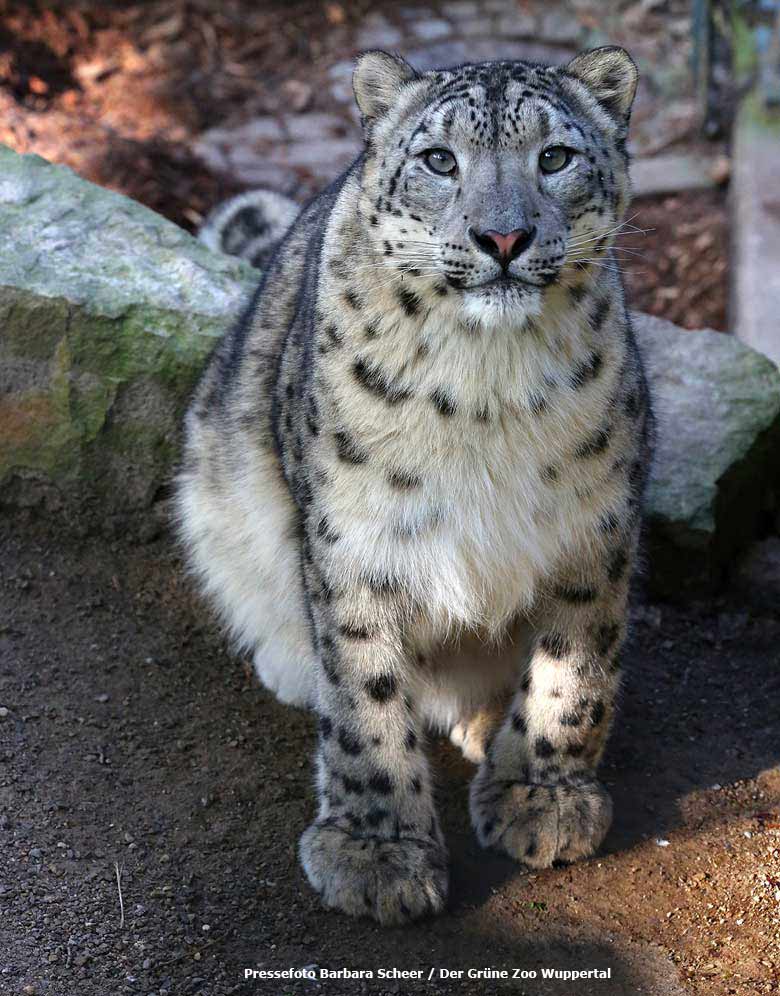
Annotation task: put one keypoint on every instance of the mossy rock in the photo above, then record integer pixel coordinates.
(107, 313)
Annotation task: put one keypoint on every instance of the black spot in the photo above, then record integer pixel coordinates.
(593, 445)
(349, 743)
(631, 404)
(530, 851)
(375, 816)
(555, 645)
(537, 403)
(411, 740)
(518, 723)
(636, 475)
(382, 688)
(381, 783)
(571, 719)
(353, 299)
(444, 405)
(325, 533)
(326, 727)
(403, 480)
(352, 785)
(550, 474)
(543, 747)
(607, 635)
(599, 313)
(416, 785)
(617, 565)
(586, 370)
(574, 750)
(576, 594)
(353, 819)
(382, 584)
(333, 335)
(371, 329)
(409, 301)
(330, 669)
(373, 379)
(609, 523)
(311, 423)
(355, 632)
(577, 293)
(348, 450)
(597, 712)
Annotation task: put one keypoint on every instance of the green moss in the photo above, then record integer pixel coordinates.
(107, 315)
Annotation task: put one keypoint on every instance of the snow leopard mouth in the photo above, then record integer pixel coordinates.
(505, 283)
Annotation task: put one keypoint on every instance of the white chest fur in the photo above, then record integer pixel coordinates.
(484, 435)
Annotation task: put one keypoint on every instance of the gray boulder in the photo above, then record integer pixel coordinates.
(107, 313)
(717, 464)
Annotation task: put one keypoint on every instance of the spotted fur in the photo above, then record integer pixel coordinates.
(249, 225)
(413, 473)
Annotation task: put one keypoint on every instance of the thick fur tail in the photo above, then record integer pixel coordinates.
(249, 225)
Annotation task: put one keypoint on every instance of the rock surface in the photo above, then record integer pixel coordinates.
(107, 312)
(717, 460)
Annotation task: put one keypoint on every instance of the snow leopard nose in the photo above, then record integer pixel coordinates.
(503, 246)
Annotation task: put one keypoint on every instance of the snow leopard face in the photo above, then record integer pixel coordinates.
(495, 180)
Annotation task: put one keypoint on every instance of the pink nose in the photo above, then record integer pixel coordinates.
(504, 246)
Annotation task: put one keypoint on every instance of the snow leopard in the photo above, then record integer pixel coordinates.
(413, 470)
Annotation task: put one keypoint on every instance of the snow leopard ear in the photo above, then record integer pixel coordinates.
(377, 82)
(611, 76)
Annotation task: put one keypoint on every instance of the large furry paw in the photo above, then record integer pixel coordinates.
(539, 824)
(393, 881)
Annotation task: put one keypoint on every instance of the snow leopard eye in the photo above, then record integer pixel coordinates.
(555, 158)
(440, 161)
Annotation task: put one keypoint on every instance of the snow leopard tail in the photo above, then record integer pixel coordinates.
(249, 225)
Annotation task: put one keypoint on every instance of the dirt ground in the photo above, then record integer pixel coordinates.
(131, 739)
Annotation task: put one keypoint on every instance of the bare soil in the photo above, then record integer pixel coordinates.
(133, 740)
(677, 266)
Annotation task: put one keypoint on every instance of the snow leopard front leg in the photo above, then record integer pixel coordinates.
(375, 847)
(536, 795)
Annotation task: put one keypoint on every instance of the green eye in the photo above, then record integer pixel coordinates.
(440, 161)
(554, 159)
